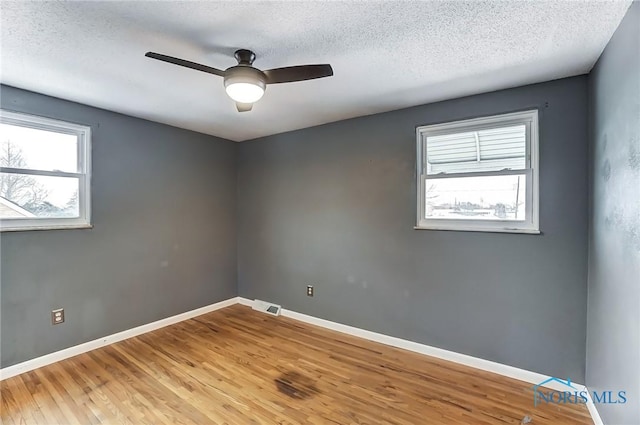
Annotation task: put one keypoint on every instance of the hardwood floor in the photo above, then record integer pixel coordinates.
(237, 366)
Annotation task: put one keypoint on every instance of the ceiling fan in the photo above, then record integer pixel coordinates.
(246, 84)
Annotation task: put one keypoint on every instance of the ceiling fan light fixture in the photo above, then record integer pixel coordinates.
(244, 92)
(244, 84)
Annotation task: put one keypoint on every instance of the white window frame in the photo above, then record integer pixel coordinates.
(531, 223)
(83, 133)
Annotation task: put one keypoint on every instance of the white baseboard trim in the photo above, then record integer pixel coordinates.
(57, 356)
(475, 362)
(245, 301)
(593, 411)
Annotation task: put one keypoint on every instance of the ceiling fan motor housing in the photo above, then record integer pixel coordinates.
(245, 74)
(244, 56)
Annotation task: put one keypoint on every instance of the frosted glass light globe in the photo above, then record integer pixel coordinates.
(244, 92)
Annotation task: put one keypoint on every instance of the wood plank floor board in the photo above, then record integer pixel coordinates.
(77, 393)
(43, 397)
(62, 401)
(236, 366)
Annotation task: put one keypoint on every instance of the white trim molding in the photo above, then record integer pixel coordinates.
(57, 356)
(593, 411)
(416, 347)
(245, 301)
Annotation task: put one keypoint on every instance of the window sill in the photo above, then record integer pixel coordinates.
(475, 229)
(46, 227)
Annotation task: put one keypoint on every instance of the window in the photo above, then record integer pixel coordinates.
(479, 174)
(44, 173)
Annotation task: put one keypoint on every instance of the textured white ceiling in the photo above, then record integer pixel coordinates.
(385, 55)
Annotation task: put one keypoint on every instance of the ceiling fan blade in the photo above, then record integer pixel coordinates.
(244, 107)
(187, 64)
(298, 73)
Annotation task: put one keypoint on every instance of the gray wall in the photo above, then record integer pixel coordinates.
(334, 206)
(613, 331)
(163, 242)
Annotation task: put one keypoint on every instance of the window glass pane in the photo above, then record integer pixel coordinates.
(476, 198)
(26, 196)
(23, 147)
(476, 151)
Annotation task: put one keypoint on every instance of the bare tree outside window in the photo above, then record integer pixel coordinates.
(19, 188)
(25, 190)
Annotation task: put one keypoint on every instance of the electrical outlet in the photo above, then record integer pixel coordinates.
(310, 290)
(57, 316)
